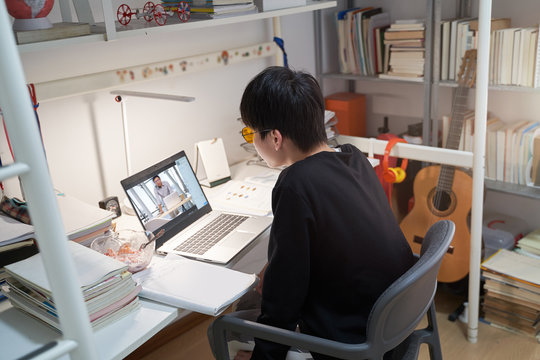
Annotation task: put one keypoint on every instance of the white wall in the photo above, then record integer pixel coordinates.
(83, 134)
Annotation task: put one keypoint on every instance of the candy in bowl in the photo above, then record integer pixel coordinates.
(126, 246)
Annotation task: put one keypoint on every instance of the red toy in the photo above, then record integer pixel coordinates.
(150, 12)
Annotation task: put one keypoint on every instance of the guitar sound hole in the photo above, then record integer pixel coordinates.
(441, 203)
(442, 200)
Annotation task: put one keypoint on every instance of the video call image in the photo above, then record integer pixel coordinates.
(167, 195)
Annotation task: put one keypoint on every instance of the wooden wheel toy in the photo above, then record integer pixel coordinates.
(148, 11)
(123, 14)
(183, 11)
(160, 16)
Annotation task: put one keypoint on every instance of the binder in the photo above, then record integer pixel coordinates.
(350, 109)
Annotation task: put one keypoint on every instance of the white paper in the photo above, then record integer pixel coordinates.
(91, 267)
(244, 197)
(192, 284)
(515, 265)
(12, 230)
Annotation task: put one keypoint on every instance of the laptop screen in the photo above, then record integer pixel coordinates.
(167, 196)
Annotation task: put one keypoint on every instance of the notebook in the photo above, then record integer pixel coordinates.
(192, 228)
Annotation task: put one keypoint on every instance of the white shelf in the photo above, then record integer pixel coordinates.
(366, 78)
(139, 27)
(445, 83)
(22, 334)
(515, 189)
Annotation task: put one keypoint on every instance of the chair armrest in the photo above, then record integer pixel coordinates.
(298, 340)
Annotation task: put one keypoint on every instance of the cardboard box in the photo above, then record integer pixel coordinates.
(350, 109)
(267, 5)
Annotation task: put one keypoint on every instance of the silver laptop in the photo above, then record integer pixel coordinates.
(192, 229)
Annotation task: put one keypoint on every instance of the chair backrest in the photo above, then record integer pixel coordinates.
(400, 308)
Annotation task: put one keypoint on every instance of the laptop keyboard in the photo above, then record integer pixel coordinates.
(209, 235)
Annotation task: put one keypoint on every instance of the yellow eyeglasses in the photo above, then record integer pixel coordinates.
(248, 134)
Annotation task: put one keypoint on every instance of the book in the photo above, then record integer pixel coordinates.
(91, 266)
(511, 307)
(513, 300)
(492, 126)
(172, 280)
(401, 76)
(406, 34)
(499, 280)
(452, 55)
(514, 291)
(496, 24)
(531, 241)
(510, 137)
(536, 61)
(513, 265)
(58, 31)
(445, 48)
(80, 218)
(108, 289)
(514, 323)
(13, 231)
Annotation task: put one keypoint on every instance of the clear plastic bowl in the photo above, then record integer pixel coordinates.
(124, 246)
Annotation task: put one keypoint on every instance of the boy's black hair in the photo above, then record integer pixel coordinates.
(286, 100)
(154, 178)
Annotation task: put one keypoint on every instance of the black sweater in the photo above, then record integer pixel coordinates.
(335, 246)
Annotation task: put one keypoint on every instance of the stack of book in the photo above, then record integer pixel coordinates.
(215, 9)
(108, 288)
(530, 244)
(360, 36)
(404, 46)
(83, 222)
(511, 151)
(513, 50)
(512, 298)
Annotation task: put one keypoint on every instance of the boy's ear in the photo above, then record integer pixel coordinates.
(277, 139)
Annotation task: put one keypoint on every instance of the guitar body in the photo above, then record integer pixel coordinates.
(432, 205)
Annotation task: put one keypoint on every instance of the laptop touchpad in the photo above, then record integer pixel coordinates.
(236, 239)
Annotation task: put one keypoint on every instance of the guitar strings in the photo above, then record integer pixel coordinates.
(454, 123)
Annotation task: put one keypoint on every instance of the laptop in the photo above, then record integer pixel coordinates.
(171, 200)
(195, 230)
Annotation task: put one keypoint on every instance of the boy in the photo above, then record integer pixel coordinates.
(335, 245)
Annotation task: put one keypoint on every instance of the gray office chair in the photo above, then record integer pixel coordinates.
(392, 320)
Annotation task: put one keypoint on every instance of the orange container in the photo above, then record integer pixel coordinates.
(350, 109)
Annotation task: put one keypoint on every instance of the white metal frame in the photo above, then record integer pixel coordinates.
(31, 166)
(474, 161)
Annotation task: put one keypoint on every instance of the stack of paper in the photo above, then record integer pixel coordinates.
(192, 284)
(13, 231)
(108, 288)
(83, 222)
(512, 299)
(531, 243)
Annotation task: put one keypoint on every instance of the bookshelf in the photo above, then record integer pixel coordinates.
(431, 92)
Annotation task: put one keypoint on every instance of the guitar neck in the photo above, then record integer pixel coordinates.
(459, 109)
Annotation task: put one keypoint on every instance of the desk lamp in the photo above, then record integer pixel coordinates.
(120, 96)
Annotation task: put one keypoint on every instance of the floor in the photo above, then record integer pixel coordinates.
(493, 343)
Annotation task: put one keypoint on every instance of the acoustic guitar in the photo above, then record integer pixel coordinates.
(444, 192)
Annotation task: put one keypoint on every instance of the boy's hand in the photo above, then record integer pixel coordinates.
(243, 355)
(261, 278)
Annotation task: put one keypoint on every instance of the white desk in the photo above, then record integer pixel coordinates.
(21, 334)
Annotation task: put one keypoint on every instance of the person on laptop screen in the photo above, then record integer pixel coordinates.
(161, 190)
(334, 245)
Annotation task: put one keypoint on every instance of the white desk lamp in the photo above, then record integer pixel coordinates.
(119, 97)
